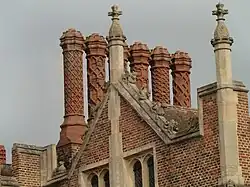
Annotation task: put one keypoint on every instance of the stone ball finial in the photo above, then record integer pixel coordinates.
(71, 36)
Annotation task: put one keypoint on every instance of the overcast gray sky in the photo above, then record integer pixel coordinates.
(31, 75)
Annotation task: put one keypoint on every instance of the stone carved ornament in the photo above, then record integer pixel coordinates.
(175, 121)
(7, 170)
(170, 126)
(60, 168)
(128, 77)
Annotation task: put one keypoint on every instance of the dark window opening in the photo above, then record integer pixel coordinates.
(138, 174)
(151, 174)
(94, 181)
(106, 179)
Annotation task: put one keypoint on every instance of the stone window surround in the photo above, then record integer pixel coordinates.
(141, 154)
(86, 173)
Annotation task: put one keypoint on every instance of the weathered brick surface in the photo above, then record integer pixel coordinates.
(26, 168)
(244, 135)
(192, 162)
(98, 146)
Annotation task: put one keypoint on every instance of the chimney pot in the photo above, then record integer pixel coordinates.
(139, 62)
(180, 66)
(160, 74)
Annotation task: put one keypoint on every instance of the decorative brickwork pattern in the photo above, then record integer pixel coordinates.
(2, 155)
(73, 127)
(243, 132)
(139, 62)
(160, 65)
(193, 162)
(72, 45)
(181, 65)
(96, 49)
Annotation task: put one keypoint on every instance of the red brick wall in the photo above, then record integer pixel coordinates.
(98, 146)
(192, 162)
(244, 135)
(27, 168)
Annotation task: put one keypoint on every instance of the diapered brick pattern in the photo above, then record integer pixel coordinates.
(160, 62)
(243, 132)
(181, 65)
(192, 162)
(26, 168)
(72, 45)
(139, 62)
(96, 49)
(73, 127)
(2, 155)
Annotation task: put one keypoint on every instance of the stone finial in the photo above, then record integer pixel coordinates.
(220, 12)
(2, 155)
(115, 30)
(221, 33)
(139, 62)
(160, 65)
(181, 65)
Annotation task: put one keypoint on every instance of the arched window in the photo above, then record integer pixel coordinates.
(137, 174)
(106, 179)
(151, 174)
(94, 181)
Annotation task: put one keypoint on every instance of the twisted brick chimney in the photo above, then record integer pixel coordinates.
(96, 50)
(139, 62)
(2, 155)
(74, 126)
(181, 65)
(160, 65)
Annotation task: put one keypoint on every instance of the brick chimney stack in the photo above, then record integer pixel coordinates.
(160, 65)
(139, 62)
(126, 57)
(2, 155)
(181, 65)
(96, 51)
(74, 126)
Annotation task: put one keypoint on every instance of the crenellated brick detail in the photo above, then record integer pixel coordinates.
(160, 65)
(139, 62)
(74, 126)
(2, 155)
(96, 50)
(181, 65)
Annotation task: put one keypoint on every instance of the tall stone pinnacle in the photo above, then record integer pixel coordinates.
(115, 30)
(221, 33)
